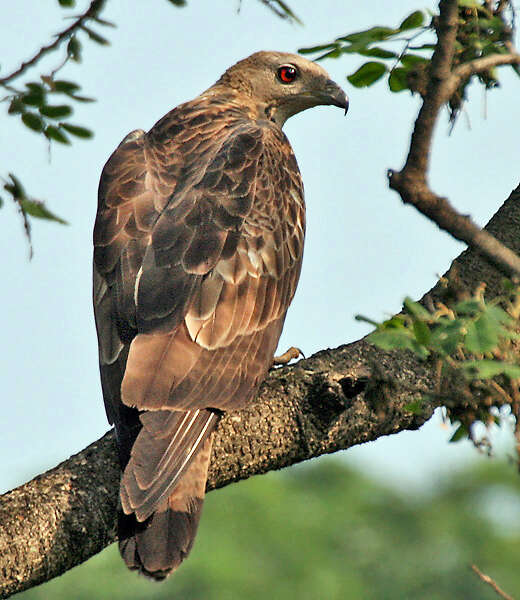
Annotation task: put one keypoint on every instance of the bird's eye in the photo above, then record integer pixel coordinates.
(287, 73)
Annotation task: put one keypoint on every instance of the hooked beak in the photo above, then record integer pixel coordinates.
(335, 95)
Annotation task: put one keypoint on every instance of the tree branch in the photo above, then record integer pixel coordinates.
(491, 582)
(479, 65)
(419, 153)
(438, 209)
(93, 11)
(411, 181)
(331, 401)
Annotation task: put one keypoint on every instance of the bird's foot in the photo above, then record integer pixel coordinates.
(287, 356)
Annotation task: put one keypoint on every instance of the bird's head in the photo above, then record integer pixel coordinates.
(282, 85)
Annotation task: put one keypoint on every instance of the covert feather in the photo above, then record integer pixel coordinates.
(198, 245)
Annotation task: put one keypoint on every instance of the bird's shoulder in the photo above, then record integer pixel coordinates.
(205, 176)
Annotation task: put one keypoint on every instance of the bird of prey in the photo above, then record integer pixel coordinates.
(198, 245)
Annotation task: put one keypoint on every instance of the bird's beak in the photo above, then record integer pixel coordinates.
(335, 95)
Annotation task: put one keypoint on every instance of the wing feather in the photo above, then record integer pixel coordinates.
(198, 247)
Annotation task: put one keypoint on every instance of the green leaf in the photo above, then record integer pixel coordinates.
(410, 60)
(53, 133)
(470, 3)
(374, 34)
(66, 87)
(67, 3)
(446, 336)
(509, 286)
(33, 99)
(485, 369)
(395, 322)
(468, 307)
(415, 407)
(498, 315)
(415, 309)
(104, 22)
(15, 188)
(367, 74)
(422, 332)
(355, 48)
(332, 54)
(74, 49)
(460, 434)
(397, 82)
(37, 209)
(416, 19)
(33, 121)
(178, 3)
(377, 52)
(320, 48)
(287, 11)
(399, 339)
(56, 112)
(420, 350)
(81, 132)
(81, 98)
(364, 319)
(36, 88)
(481, 336)
(16, 107)
(95, 37)
(423, 47)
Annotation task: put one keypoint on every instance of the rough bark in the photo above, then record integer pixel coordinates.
(331, 401)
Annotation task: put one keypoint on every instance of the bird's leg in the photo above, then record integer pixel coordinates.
(287, 356)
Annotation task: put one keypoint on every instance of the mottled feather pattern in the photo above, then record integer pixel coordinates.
(203, 276)
(198, 244)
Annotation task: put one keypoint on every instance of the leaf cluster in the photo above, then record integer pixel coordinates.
(405, 61)
(45, 106)
(474, 344)
(41, 113)
(28, 206)
(482, 32)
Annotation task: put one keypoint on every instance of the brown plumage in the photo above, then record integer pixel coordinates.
(198, 246)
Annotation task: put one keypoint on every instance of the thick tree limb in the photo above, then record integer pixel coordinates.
(411, 181)
(331, 401)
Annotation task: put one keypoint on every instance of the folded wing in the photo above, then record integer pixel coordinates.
(198, 247)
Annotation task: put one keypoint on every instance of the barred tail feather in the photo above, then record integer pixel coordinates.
(156, 546)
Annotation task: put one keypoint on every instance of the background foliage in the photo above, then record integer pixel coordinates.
(325, 531)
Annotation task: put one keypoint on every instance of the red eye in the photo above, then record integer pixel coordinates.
(287, 73)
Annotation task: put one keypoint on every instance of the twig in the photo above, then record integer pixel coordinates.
(26, 226)
(407, 41)
(92, 11)
(440, 73)
(283, 10)
(491, 582)
(411, 181)
(479, 65)
(501, 5)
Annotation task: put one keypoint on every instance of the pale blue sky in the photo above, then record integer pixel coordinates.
(366, 249)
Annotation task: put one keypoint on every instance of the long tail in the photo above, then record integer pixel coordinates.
(155, 543)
